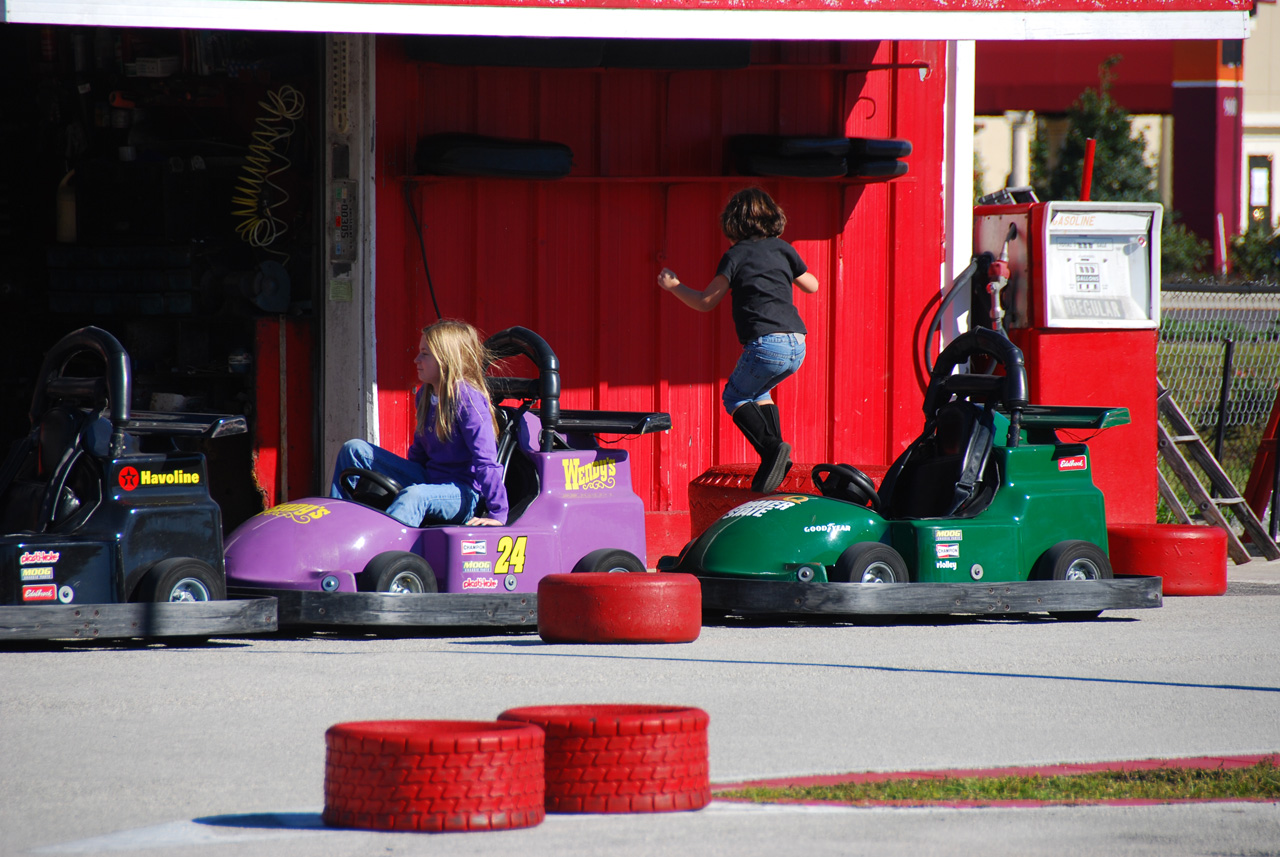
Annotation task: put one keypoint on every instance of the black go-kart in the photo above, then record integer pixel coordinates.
(99, 538)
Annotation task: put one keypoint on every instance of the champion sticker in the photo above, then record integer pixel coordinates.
(40, 592)
(1073, 462)
(472, 548)
(948, 551)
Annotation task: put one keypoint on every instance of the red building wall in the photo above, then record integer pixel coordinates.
(576, 258)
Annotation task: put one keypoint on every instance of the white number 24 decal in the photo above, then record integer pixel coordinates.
(510, 555)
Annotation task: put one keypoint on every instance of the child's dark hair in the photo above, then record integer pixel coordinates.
(752, 213)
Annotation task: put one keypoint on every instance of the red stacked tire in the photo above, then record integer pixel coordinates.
(600, 607)
(1191, 560)
(433, 775)
(622, 758)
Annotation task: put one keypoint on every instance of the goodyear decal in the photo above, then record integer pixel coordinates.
(828, 528)
(948, 535)
(477, 566)
(1073, 462)
(40, 592)
(951, 550)
(38, 557)
(594, 474)
(299, 513)
(39, 572)
(756, 508)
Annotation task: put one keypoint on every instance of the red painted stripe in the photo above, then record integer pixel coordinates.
(1206, 762)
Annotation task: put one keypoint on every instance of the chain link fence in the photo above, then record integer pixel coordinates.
(1215, 341)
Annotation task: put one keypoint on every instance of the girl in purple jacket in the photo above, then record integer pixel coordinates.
(452, 465)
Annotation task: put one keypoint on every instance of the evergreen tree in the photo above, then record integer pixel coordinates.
(1120, 171)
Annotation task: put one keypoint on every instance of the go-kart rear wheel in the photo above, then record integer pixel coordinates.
(610, 560)
(399, 573)
(182, 579)
(870, 562)
(1074, 560)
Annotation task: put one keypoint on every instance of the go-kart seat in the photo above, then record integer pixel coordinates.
(52, 465)
(944, 473)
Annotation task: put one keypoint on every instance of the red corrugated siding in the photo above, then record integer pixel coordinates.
(576, 259)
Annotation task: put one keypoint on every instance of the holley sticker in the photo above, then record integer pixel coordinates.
(1073, 462)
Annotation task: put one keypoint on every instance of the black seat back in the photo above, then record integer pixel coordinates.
(945, 472)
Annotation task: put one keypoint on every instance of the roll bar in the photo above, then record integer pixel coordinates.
(518, 341)
(1010, 389)
(113, 389)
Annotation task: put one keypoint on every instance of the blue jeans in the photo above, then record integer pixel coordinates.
(765, 363)
(420, 502)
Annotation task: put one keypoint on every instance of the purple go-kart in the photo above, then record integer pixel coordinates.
(347, 562)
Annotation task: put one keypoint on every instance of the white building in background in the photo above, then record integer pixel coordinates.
(1262, 117)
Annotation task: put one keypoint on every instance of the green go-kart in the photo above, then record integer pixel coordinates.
(986, 512)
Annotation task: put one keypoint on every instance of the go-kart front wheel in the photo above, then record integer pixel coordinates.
(1074, 560)
(181, 579)
(399, 573)
(870, 562)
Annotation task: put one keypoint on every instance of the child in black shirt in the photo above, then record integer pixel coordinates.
(758, 271)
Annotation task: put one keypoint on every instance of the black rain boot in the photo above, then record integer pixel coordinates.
(775, 427)
(774, 451)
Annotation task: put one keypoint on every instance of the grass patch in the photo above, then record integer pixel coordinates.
(1258, 782)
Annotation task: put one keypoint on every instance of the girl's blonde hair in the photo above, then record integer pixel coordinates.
(457, 347)
(752, 213)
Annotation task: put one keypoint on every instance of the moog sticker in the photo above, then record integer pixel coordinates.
(948, 535)
(39, 572)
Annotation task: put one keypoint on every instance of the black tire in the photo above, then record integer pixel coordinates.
(400, 573)
(181, 579)
(1074, 560)
(870, 562)
(609, 559)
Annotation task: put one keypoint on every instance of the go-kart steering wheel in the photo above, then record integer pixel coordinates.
(387, 488)
(846, 482)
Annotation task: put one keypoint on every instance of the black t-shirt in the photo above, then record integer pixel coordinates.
(760, 273)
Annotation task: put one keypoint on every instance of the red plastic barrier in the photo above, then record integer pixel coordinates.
(622, 758)
(1192, 560)
(434, 775)
(601, 607)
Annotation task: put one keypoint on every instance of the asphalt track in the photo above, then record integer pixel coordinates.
(218, 749)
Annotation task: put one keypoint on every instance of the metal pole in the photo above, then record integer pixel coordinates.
(1275, 486)
(1228, 369)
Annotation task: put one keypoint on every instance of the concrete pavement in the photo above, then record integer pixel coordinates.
(218, 749)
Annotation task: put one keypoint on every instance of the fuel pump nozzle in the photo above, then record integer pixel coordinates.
(998, 279)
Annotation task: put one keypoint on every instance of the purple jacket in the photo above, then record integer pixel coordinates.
(470, 457)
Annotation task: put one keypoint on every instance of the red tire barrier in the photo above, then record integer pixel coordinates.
(622, 758)
(433, 775)
(720, 488)
(1191, 560)
(599, 607)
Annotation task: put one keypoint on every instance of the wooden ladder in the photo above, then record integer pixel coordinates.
(1210, 507)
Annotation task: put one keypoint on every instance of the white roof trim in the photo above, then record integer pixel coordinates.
(635, 23)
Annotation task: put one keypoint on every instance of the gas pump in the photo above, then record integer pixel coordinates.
(1076, 286)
